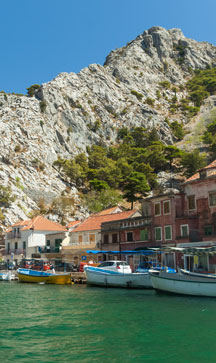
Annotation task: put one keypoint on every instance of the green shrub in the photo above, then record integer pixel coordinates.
(158, 94)
(201, 85)
(165, 84)
(43, 106)
(31, 90)
(138, 95)
(177, 129)
(150, 101)
(17, 148)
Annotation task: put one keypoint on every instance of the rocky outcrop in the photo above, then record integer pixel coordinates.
(76, 110)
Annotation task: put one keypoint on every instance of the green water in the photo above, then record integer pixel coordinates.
(45, 323)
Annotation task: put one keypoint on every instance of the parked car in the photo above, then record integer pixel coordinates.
(117, 266)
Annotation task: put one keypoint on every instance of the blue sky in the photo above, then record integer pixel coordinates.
(40, 39)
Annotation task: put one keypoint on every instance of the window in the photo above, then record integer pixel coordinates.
(58, 242)
(144, 235)
(208, 230)
(212, 199)
(48, 242)
(129, 236)
(106, 238)
(80, 238)
(166, 207)
(191, 202)
(157, 209)
(158, 233)
(184, 230)
(91, 238)
(8, 247)
(168, 232)
(114, 238)
(57, 245)
(24, 245)
(16, 245)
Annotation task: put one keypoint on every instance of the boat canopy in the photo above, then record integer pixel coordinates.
(193, 250)
(125, 252)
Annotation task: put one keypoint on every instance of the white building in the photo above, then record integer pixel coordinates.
(26, 238)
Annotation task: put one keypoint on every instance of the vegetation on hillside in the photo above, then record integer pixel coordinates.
(127, 170)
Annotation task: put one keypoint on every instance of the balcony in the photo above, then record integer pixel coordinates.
(18, 251)
(13, 236)
(124, 225)
(48, 249)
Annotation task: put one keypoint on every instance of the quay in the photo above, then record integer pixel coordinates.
(78, 277)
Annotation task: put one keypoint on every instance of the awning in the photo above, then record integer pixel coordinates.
(124, 252)
(193, 250)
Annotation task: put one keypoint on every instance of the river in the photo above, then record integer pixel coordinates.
(51, 323)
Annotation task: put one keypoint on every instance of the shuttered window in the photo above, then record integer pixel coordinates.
(144, 235)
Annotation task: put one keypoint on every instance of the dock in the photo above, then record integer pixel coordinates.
(78, 277)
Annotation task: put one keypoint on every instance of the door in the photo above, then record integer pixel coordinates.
(189, 262)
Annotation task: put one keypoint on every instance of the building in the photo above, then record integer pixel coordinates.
(186, 218)
(28, 238)
(87, 235)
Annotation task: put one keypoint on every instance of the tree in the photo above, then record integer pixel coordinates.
(135, 186)
(97, 201)
(172, 152)
(98, 185)
(97, 157)
(192, 161)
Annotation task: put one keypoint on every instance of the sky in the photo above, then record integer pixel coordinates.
(40, 39)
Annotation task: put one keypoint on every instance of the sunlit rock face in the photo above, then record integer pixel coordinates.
(75, 110)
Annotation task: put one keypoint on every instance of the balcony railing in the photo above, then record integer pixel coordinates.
(48, 249)
(12, 235)
(17, 251)
(147, 221)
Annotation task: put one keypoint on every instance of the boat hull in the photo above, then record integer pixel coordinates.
(7, 276)
(183, 285)
(131, 280)
(25, 275)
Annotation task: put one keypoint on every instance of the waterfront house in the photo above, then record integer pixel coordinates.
(28, 238)
(87, 235)
(186, 218)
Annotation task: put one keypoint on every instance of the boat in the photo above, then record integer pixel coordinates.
(183, 284)
(101, 277)
(7, 276)
(28, 275)
(198, 274)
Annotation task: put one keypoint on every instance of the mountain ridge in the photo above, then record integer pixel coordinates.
(75, 110)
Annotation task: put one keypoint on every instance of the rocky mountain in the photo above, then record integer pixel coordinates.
(72, 111)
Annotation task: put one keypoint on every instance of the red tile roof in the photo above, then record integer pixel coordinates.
(210, 173)
(73, 223)
(108, 211)
(94, 222)
(40, 223)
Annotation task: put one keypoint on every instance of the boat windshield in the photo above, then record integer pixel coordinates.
(123, 263)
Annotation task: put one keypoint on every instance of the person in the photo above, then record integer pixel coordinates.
(52, 269)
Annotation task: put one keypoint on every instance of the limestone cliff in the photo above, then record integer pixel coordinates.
(75, 110)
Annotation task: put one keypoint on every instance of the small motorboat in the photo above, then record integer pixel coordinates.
(103, 277)
(183, 283)
(28, 275)
(7, 276)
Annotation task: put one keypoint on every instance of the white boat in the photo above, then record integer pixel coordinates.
(184, 284)
(101, 277)
(197, 274)
(7, 276)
